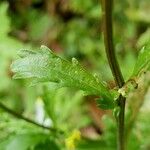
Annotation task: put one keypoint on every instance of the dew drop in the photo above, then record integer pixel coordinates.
(85, 93)
(74, 61)
(58, 59)
(104, 83)
(58, 63)
(142, 50)
(96, 77)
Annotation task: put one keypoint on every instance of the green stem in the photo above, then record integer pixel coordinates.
(110, 51)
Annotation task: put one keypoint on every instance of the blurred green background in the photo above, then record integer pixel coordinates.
(71, 28)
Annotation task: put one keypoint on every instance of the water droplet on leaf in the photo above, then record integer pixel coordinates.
(96, 77)
(58, 61)
(75, 61)
(143, 49)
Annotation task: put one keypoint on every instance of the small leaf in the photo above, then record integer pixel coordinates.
(45, 66)
(47, 145)
(89, 144)
(143, 62)
(24, 141)
(105, 103)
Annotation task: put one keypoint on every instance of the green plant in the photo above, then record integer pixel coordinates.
(44, 66)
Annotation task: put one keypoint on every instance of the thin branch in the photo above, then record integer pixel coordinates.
(19, 116)
(110, 51)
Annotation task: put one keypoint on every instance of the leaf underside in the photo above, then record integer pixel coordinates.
(143, 61)
(45, 66)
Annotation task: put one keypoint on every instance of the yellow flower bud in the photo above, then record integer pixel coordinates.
(72, 139)
(76, 135)
(70, 144)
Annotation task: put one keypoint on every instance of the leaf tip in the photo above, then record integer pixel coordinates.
(45, 49)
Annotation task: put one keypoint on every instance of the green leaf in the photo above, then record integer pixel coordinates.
(24, 141)
(45, 66)
(143, 62)
(104, 103)
(47, 145)
(93, 145)
(144, 38)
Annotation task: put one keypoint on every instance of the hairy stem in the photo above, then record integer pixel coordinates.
(136, 100)
(19, 116)
(110, 51)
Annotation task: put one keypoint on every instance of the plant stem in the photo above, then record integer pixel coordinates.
(120, 123)
(109, 43)
(110, 51)
(135, 102)
(19, 116)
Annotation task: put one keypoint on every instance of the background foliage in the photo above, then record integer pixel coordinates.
(71, 28)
